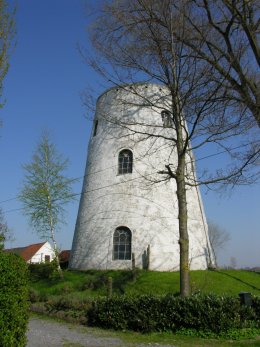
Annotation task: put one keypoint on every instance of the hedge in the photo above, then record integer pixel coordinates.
(147, 313)
(39, 271)
(14, 303)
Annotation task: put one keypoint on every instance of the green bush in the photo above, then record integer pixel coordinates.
(33, 295)
(68, 308)
(13, 300)
(42, 270)
(256, 309)
(64, 303)
(170, 313)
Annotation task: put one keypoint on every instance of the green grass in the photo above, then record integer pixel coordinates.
(77, 286)
(130, 339)
(183, 340)
(94, 283)
(227, 281)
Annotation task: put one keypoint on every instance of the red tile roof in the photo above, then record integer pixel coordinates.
(26, 252)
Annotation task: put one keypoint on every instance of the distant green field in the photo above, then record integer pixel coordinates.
(81, 285)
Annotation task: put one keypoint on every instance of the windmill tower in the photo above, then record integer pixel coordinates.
(125, 208)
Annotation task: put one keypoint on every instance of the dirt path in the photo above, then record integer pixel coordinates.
(49, 333)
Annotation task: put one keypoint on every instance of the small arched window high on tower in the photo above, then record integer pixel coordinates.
(125, 162)
(122, 240)
(167, 119)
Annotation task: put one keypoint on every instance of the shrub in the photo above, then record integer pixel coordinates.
(13, 300)
(256, 306)
(33, 295)
(65, 303)
(256, 309)
(170, 313)
(42, 270)
(68, 308)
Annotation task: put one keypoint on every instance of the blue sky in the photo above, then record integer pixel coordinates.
(42, 89)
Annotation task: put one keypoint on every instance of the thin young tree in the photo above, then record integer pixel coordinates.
(138, 40)
(46, 191)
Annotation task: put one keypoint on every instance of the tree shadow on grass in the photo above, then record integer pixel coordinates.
(239, 280)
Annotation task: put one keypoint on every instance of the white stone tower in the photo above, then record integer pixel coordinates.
(125, 207)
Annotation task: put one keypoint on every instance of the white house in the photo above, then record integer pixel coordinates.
(36, 253)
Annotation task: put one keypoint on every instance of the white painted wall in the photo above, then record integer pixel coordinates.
(39, 256)
(148, 209)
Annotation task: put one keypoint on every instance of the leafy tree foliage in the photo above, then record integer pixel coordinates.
(46, 190)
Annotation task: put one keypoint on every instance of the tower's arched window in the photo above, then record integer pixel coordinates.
(167, 119)
(122, 244)
(125, 162)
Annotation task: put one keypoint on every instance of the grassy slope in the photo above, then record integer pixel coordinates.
(93, 283)
(82, 285)
(229, 282)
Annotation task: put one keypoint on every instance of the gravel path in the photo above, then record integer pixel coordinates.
(43, 333)
(49, 333)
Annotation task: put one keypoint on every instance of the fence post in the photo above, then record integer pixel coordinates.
(133, 267)
(148, 258)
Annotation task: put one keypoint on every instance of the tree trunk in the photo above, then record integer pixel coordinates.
(56, 252)
(183, 229)
(181, 193)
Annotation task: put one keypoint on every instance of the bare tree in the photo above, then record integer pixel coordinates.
(138, 39)
(218, 237)
(6, 36)
(5, 232)
(233, 262)
(225, 34)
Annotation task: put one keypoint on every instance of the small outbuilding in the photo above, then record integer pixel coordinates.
(36, 253)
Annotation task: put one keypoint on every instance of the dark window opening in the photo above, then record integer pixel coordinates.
(125, 162)
(95, 128)
(47, 258)
(167, 119)
(122, 244)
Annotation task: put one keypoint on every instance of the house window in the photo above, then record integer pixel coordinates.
(122, 244)
(167, 119)
(47, 258)
(125, 162)
(95, 128)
